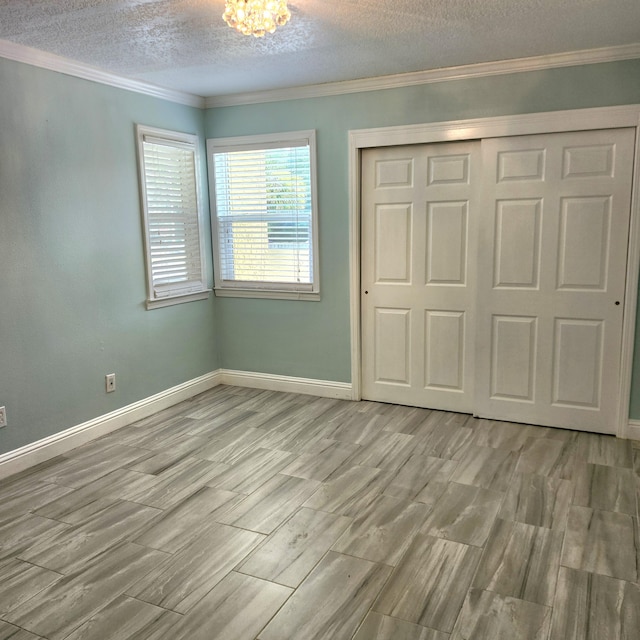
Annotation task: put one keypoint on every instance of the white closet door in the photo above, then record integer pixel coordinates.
(419, 232)
(551, 277)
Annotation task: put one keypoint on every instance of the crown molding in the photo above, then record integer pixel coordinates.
(53, 62)
(501, 67)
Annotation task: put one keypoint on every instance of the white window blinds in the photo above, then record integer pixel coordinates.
(172, 221)
(264, 214)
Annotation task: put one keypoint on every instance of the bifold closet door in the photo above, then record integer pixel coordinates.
(419, 231)
(551, 277)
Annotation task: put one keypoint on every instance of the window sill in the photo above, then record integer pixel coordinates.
(312, 296)
(171, 300)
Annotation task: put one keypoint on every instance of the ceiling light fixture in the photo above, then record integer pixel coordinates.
(256, 17)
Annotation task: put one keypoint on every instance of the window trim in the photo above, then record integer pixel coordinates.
(255, 289)
(193, 290)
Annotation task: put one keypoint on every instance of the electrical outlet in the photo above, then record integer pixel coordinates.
(110, 382)
(3, 417)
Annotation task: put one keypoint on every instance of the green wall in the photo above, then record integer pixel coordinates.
(311, 339)
(72, 275)
(72, 281)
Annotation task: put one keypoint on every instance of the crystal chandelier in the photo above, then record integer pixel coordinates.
(256, 17)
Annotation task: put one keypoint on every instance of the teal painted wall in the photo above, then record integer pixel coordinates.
(72, 275)
(72, 281)
(311, 339)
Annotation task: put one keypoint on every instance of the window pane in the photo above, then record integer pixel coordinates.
(264, 214)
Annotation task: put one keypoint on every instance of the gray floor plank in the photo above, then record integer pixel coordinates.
(601, 542)
(463, 513)
(271, 504)
(521, 561)
(20, 581)
(69, 550)
(244, 513)
(237, 608)
(439, 573)
(379, 627)
(190, 574)
(291, 552)
(126, 619)
(59, 609)
(331, 603)
(490, 616)
(589, 606)
(537, 500)
(383, 531)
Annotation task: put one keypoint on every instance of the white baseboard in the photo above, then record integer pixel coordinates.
(272, 382)
(59, 443)
(633, 430)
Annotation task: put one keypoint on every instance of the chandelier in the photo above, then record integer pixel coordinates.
(256, 17)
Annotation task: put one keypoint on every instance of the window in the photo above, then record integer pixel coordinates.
(169, 185)
(264, 215)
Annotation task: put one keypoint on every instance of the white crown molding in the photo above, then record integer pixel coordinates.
(44, 60)
(501, 67)
(59, 443)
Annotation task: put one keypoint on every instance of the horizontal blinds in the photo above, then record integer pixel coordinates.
(264, 216)
(172, 217)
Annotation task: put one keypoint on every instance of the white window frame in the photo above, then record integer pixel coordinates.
(166, 294)
(256, 289)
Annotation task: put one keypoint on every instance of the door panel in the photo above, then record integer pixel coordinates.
(417, 263)
(553, 249)
(493, 276)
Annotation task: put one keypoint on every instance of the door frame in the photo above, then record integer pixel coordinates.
(502, 126)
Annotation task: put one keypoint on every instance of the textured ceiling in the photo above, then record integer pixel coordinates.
(185, 45)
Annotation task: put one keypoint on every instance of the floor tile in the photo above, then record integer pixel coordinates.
(289, 554)
(69, 550)
(599, 449)
(321, 463)
(600, 542)
(463, 513)
(237, 608)
(252, 470)
(537, 500)
(19, 534)
(547, 457)
(20, 581)
(68, 603)
(187, 576)
(360, 428)
(80, 470)
(486, 467)
(604, 487)
(439, 572)
(177, 527)
(271, 504)
(417, 473)
(348, 491)
(332, 601)
(490, 616)
(11, 632)
(173, 485)
(593, 607)
(383, 531)
(126, 619)
(501, 435)
(444, 440)
(387, 451)
(379, 627)
(18, 501)
(521, 561)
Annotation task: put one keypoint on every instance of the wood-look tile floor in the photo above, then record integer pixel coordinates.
(244, 514)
